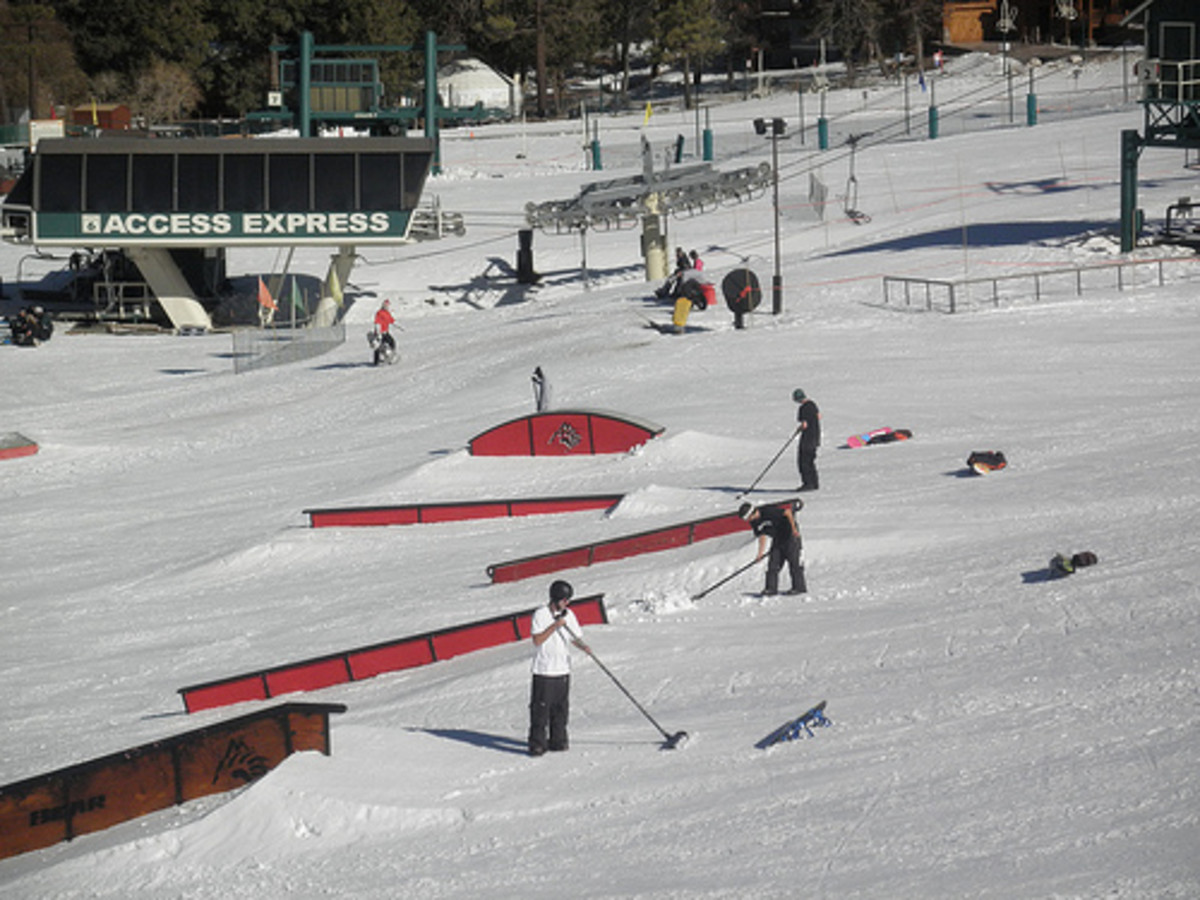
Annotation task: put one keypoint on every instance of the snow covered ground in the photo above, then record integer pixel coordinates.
(997, 734)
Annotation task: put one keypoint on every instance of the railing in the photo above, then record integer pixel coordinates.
(1173, 79)
(954, 295)
(123, 300)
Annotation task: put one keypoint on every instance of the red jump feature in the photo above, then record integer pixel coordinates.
(13, 445)
(618, 548)
(376, 659)
(424, 513)
(565, 432)
(94, 795)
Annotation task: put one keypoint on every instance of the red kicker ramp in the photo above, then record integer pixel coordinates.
(97, 794)
(565, 432)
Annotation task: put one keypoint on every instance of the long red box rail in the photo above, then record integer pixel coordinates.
(422, 513)
(376, 659)
(619, 548)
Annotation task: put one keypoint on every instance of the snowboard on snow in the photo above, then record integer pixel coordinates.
(799, 727)
(883, 435)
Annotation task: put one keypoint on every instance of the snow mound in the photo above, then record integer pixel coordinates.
(696, 449)
(286, 814)
(653, 500)
(655, 604)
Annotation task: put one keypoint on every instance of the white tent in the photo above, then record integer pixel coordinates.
(466, 82)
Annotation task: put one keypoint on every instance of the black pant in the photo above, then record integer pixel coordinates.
(806, 461)
(549, 706)
(783, 550)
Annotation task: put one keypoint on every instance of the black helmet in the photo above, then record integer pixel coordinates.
(561, 590)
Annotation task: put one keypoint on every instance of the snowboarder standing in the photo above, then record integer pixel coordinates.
(777, 524)
(383, 342)
(553, 629)
(541, 390)
(809, 418)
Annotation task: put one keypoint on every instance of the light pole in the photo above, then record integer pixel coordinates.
(776, 127)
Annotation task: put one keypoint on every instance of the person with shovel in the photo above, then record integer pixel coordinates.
(808, 418)
(554, 629)
(777, 524)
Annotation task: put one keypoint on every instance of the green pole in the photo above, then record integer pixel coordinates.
(305, 83)
(1131, 146)
(823, 133)
(707, 138)
(431, 122)
(1031, 103)
(596, 163)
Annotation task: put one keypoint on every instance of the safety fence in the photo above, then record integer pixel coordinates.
(366, 662)
(652, 541)
(957, 295)
(426, 513)
(91, 796)
(261, 348)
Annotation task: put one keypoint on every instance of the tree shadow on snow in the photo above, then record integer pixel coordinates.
(498, 742)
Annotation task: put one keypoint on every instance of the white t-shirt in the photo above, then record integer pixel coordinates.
(553, 656)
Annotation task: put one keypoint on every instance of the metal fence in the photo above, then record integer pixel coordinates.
(261, 348)
(957, 295)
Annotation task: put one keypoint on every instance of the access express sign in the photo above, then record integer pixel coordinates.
(225, 228)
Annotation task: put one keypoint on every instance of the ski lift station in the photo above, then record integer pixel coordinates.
(148, 223)
(174, 207)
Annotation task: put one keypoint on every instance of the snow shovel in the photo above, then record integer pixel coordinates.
(712, 587)
(774, 459)
(678, 739)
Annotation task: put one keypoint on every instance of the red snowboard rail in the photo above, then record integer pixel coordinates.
(565, 432)
(421, 513)
(618, 548)
(13, 445)
(376, 659)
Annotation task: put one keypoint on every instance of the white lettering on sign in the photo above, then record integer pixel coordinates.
(166, 225)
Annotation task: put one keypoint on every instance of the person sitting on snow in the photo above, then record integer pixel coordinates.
(31, 326)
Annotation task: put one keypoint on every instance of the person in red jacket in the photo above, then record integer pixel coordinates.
(382, 340)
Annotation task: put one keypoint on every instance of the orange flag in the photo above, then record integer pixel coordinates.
(264, 296)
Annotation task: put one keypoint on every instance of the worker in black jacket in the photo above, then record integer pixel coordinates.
(778, 524)
(809, 418)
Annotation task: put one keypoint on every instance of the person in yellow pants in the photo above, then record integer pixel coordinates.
(683, 309)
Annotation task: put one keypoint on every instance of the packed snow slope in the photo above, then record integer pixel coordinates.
(997, 733)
